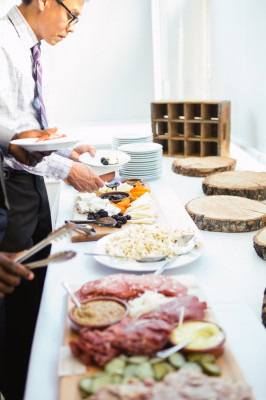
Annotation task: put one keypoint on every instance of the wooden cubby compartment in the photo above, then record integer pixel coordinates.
(192, 129)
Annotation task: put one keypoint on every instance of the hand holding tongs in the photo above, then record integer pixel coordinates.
(65, 230)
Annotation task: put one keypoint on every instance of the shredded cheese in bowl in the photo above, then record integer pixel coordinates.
(145, 240)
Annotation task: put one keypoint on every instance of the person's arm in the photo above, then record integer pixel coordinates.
(11, 274)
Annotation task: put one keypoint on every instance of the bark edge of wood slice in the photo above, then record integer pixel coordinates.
(259, 243)
(249, 184)
(203, 166)
(227, 213)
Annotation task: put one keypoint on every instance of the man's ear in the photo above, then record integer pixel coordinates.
(42, 4)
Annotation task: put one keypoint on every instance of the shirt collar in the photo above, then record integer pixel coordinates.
(22, 27)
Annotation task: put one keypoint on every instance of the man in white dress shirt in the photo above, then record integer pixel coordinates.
(29, 216)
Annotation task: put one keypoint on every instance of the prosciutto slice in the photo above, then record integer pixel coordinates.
(130, 336)
(127, 286)
(170, 312)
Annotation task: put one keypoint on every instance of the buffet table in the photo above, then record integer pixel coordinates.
(229, 271)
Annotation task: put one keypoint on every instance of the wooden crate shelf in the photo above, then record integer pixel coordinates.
(192, 129)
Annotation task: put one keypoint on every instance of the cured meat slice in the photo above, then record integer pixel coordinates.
(170, 312)
(130, 286)
(130, 336)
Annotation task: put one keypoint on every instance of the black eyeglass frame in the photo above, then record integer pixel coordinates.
(74, 19)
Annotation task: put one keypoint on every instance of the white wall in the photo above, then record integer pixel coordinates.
(238, 46)
(215, 49)
(104, 71)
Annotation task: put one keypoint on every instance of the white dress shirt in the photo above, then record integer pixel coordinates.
(17, 91)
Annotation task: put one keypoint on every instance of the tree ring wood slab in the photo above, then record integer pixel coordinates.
(227, 213)
(259, 242)
(203, 166)
(248, 184)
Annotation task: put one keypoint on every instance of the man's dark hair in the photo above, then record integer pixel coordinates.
(26, 2)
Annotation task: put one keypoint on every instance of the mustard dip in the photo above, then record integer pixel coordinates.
(99, 312)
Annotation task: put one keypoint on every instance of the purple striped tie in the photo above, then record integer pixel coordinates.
(38, 103)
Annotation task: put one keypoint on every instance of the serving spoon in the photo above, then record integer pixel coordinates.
(186, 244)
(103, 221)
(72, 295)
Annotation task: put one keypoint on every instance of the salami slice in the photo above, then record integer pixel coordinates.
(130, 286)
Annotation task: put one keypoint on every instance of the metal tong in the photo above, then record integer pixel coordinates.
(54, 258)
(59, 233)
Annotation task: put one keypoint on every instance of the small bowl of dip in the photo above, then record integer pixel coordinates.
(115, 197)
(98, 312)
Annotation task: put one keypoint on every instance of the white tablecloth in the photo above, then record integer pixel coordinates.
(229, 271)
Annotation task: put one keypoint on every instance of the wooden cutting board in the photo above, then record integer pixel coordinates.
(68, 385)
(227, 213)
(259, 242)
(248, 184)
(203, 166)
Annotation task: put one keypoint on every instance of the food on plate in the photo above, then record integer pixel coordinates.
(86, 202)
(130, 286)
(98, 312)
(115, 197)
(129, 336)
(112, 160)
(143, 210)
(49, 136)
(181, 385)
(144, 240)
(205, 337)
(123, 369)
(132, 181)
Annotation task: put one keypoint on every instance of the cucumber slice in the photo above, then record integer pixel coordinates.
(177, 360)
(159, 370)
(130, 370)
(85, 385)
(210, 368)
(191, 366)
(137, 359)
(144, 371)
(101, 381)
(115, 366)
(117, 378)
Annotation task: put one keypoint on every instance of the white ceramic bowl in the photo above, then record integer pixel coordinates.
(98, 167)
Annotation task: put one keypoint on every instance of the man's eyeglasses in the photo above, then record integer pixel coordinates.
(72, 18)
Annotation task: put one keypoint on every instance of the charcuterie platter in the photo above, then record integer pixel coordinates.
(190, 304)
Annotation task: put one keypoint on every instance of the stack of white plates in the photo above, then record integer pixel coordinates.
(127, 138)
(145, 160)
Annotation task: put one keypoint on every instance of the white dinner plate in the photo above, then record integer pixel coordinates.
(98, 167)
(143, 148)
(30, 144)
(134, 266)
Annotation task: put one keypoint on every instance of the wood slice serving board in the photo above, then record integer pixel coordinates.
(203, 166)
(259, 242)
(68, 385)
(227, 213)
(248, 184)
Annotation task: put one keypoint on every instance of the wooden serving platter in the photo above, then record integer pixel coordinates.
(248, 184)
(259, 242)
(227, 213)
(202, 166)
(68, 385)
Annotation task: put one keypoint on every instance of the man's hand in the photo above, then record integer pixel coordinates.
(11, 273)
(83, 179)
(83, 148)
(30, 158)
